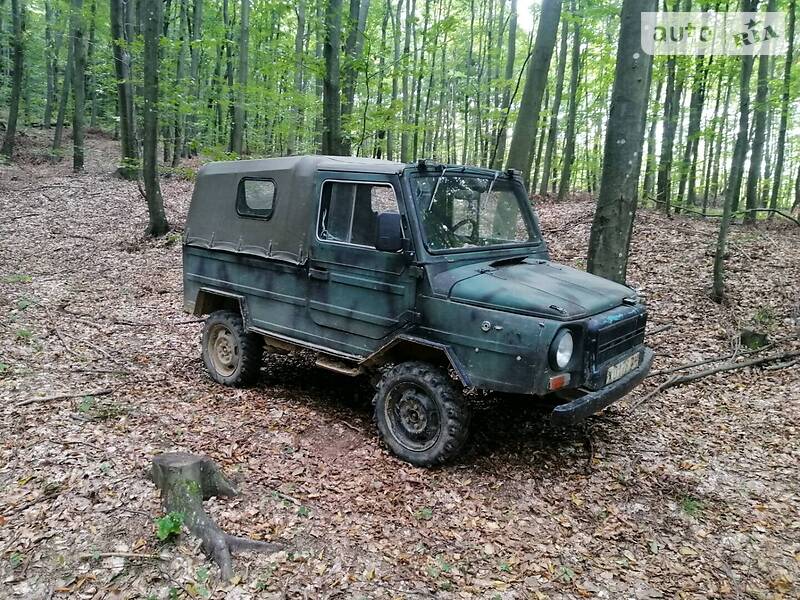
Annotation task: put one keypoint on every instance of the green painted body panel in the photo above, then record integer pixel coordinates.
(494, 313)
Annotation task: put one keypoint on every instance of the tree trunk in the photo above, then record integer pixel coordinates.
(650, 164)
(547, 176)
(612, 226)
(669, 126)
(90, 55)
(122, 69)
(180, 117)
(353, 49)
(759, 135)
(237, 131)
(736, 170)
(17, 45)
(522, 141)
(50, 55)
(569, 145)
(395, 74)
(715, 176)
(194, 69)
(420, 76)
(537, 155)
(296, 123)
(502, 132)
(785, 96)
(228, 26)
(689, 165)
(332, 142)
(66, 85)
(411, 7)
(78, 85)
(796, 205)
(152, 17)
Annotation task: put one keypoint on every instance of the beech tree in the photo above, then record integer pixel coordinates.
(151, 29)
(736, 170)
(616, 204)
(120, 41)
(237, 131)
(784, 121)
(520, 152)
(17, 49)
(332, 142)
(78, 84)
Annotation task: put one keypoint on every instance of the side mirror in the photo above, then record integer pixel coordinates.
(389, 232)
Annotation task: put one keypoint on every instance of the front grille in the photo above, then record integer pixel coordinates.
(614, 332)
(615, 340)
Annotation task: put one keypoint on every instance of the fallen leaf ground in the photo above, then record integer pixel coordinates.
(695, 494)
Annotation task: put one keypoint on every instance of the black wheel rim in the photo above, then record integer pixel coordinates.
(412, 417)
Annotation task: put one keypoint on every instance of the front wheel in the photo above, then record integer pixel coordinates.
(231, 355)
(420, 415)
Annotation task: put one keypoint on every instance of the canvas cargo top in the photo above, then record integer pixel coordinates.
(214, 222)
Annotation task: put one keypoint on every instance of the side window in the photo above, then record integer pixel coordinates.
(255, 198)
(349, 211)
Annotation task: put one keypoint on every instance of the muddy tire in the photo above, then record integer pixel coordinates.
(231, 356)
(420, 414)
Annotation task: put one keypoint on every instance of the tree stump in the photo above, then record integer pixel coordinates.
(185, 480)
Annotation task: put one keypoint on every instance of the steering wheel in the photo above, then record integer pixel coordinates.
(463, 222)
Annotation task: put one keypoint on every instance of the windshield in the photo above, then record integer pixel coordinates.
(463, 211)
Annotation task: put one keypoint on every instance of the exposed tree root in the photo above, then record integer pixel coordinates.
(185, 481)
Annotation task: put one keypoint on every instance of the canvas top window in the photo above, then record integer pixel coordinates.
(256, 198)
(349, 211)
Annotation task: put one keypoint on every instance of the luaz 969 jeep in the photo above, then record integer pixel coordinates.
(433, 278)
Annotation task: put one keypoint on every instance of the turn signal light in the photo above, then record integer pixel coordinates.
(559, 381)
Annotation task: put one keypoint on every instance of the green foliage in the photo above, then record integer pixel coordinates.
(169, 525)
(101, 411)
(23, 303)
(5, 368)
(424, 514)
(24, 334)
(303, 511)
(16, 278)
(691, 506)
(765, 317)
(15, 559)
(86, 404)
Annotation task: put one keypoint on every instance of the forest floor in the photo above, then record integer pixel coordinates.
(694, 494)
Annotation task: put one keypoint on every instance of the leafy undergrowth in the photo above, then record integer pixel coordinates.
(693, 494)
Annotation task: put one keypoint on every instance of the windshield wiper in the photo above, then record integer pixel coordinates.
(436, 188)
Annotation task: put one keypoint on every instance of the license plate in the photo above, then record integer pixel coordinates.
(622, 368)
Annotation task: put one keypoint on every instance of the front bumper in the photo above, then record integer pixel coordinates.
(593, 402)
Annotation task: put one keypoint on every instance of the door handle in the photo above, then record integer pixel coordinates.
(320, 274)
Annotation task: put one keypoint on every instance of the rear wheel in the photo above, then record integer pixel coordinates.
(231, 355)
(420, 415)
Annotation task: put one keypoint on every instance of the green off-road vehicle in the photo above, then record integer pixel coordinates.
(432, 278)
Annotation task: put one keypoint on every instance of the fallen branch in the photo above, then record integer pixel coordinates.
(64, 396)
(768, 210)
(659, 329)
(120, 555)
(684, 379)
(706, 361)
(705, 215)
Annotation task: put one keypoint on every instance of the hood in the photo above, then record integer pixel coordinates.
(535, 287)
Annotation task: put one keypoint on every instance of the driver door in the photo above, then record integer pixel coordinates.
(357, 295)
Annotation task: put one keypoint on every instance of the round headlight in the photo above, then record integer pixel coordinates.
(561, 349)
